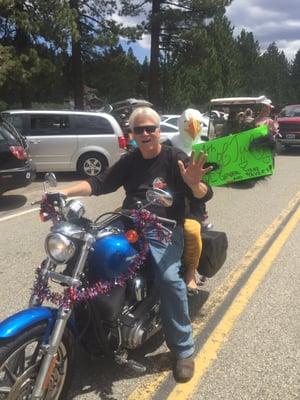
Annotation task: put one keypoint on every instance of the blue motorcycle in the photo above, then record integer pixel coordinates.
(98, 292)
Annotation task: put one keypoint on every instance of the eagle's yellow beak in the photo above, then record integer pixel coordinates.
(194, 128)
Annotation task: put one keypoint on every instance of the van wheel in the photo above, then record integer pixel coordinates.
(91, 164)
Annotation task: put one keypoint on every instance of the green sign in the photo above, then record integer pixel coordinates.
(235, 161)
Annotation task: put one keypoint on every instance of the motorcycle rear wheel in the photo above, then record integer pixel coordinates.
(19, 365)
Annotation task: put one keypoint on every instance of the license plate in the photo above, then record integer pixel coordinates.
(290, 136)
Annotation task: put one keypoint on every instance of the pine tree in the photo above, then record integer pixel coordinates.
(274, 77)
(249, 54)
(295, 77)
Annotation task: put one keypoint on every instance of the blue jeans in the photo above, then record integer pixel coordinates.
(166, 260)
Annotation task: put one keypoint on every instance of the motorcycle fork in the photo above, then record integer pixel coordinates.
(48, 361)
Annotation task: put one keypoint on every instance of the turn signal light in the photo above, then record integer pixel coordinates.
(44, 217)
(131, 236)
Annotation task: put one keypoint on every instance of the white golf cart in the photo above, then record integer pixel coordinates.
(241, 114)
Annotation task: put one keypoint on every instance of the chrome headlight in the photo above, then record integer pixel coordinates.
(59, 248)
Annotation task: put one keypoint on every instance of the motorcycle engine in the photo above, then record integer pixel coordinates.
(141, 321)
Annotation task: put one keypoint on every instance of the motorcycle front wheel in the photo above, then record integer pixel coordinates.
(20, 360)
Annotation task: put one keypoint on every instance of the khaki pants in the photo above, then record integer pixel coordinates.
(192, 243)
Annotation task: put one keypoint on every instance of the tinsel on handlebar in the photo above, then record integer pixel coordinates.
(143, 220)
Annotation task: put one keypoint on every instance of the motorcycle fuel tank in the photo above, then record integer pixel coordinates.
(111, 257)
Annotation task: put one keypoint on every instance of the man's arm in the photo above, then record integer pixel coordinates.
(109, 181)
(199, 190)
(83, 188)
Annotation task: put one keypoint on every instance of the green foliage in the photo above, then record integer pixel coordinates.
(114, 74)
(221, 34)
(295, 77)
(274, 75)
(47, 47)
(249, 53)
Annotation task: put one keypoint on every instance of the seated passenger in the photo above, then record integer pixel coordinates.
(248, 120)
(189, 125)
(232, 124)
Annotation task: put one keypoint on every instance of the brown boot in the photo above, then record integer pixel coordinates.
(183, 369)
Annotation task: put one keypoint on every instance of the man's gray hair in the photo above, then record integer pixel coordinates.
(145, 112)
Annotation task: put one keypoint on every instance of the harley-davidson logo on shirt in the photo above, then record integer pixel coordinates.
(159, 183)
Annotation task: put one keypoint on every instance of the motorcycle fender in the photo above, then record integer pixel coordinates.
(19, 322)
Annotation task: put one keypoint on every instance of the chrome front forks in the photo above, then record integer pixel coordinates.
(63, 315)
(46, 368)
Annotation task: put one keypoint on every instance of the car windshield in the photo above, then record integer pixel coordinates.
(291, 111)
(233, 118)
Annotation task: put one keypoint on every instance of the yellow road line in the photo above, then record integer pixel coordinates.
(149, 385)
(210, 350)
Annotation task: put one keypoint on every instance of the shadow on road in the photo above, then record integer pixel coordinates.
(98, 377)
(249, 184)
(290, 152)
(11, 201)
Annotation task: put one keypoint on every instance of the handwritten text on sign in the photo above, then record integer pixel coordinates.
(236, 162)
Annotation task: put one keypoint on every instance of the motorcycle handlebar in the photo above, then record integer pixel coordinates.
(51, 198)
(33, 203)
(171, 222)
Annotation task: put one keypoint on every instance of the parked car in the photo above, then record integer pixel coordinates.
(121, 111)
(86, 142)
(170, 119)
(289, 126)
(16, 168)
(167, 131)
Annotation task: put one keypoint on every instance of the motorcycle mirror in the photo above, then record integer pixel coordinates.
(50, 179)
(160, 197)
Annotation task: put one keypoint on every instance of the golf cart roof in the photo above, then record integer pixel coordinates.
(227, 101)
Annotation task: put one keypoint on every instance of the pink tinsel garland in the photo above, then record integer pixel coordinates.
(71, 295)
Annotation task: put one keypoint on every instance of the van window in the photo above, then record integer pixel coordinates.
(49, 124)
(15, 120)
(92, 125)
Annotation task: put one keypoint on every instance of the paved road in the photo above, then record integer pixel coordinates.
(259, 358)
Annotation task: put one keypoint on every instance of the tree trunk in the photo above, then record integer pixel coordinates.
(22, 46)
(76, 63)
(77, 76)
(154, 79)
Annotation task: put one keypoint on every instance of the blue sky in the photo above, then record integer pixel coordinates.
(139, 51)
(269, 20)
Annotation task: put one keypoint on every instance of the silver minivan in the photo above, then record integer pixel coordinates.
(86, 142)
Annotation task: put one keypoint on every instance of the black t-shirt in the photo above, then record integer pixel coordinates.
(137, 175)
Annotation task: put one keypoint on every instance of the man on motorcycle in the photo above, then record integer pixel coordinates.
(155, 165)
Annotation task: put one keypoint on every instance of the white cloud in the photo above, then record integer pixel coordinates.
(270, 21)
(145, 42)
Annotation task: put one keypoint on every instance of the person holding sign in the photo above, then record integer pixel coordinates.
(265, 119)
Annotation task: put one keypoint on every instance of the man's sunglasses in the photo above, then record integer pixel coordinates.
(139, 130)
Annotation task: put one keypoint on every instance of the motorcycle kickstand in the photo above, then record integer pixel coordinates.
(121, 358)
